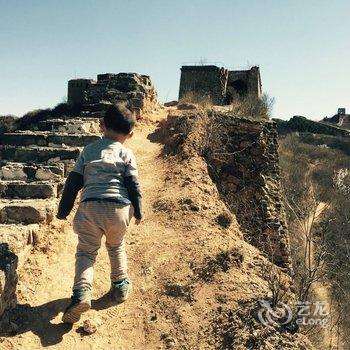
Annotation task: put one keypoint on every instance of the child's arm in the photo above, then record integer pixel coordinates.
(73, 185)
(133, 187)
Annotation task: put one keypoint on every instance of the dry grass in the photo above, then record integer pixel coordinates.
(251, 106)
(203, 101)
(309, 178)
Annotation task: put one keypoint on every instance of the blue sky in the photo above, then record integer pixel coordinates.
(302, 47)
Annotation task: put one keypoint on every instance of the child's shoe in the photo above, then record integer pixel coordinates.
(120, 290)
(81, 302)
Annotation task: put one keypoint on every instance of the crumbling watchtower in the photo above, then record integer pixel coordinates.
(136, 90)
(219, 84)
(77, 89)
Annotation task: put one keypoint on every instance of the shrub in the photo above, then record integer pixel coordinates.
(204, 101)
(251, 106)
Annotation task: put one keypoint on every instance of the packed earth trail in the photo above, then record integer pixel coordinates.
(196, 282)
(46, 280)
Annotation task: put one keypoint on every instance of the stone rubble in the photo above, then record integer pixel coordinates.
(34, 163)
(135, 90)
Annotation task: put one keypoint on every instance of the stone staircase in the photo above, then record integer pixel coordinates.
(33, 165)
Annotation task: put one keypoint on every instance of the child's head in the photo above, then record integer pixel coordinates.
(118, 121)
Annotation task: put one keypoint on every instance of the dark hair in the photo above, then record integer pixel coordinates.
(119, 119)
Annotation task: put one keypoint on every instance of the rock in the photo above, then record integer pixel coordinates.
(169, 341)
(13, 173)
(261, 180)
(90, 326)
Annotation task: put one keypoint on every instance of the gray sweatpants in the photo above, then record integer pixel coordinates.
(93, 220)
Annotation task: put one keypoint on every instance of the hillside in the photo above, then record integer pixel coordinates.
(315, 176)
(196, 281)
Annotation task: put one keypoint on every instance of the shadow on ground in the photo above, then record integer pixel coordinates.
(104, 302)
(37, 319)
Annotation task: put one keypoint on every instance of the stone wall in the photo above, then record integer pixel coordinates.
(339, 120)
(336, 142)
(243, 161)
(302, 124)
(76, 90)
(219, 85)
(243, 82)
(206, 82)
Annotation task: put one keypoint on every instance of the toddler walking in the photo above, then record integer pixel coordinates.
(106, 171)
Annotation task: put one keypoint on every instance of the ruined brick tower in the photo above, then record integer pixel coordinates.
(219, 84)
(136, 90)
(76, 90)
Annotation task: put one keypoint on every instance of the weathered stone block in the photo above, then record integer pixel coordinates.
(73, 140)
(21, 171)
(46, 139)
(137, 103)
(49, 173)
(28, 190)
(12, 173)
(32, 211)
(37, 154)
(71, 126)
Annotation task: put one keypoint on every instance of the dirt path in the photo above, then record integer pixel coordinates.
(45, 282)
(194, 279)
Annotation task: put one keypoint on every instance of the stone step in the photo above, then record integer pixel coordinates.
(46, 139)
(71, 126)
(27, 211)
(50, 155)
(92, 115)
(21, 189)
(31, 172)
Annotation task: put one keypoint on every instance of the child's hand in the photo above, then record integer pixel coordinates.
(138, 221)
